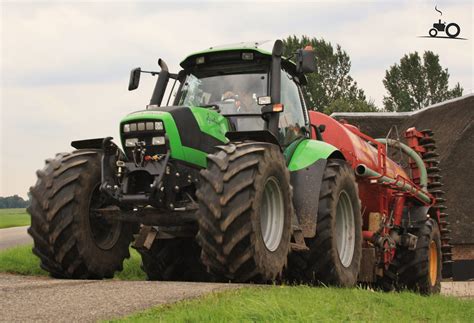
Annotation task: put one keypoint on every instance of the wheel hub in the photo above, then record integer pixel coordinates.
(272, 214)
(345, 229)
(433, 263)
(105, 234)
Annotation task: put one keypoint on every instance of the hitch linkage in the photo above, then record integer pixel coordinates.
(116, 171)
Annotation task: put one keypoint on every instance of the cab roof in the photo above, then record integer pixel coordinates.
(261, 49)
(255, 46)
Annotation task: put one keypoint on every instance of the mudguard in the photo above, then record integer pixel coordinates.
(309, 151)
(307, 164)
(95, 143)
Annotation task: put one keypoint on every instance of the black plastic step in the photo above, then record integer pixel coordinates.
(427, 140)
(433, 162)
(430, 154)
(435, 184)
(429, 146)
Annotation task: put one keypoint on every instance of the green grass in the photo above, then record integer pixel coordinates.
(309, 304)
(13, 218)
(21, 260)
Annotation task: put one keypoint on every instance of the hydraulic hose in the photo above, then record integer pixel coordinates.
(364, 171)
(413, 155)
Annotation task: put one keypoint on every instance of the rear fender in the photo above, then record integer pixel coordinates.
(307, 164)
(309, 151)
(256, 135)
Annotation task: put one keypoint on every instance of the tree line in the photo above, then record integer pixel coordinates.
(11, 202)
(413, 83)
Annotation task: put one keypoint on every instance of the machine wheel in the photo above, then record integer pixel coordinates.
(454, 25)
(245, 212)
(420, 269)
(70, 240)
(173, 260)
(336, 250)
(433, 32)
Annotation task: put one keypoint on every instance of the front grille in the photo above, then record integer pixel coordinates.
(143, 136)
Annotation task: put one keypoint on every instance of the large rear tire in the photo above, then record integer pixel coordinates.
(70, 240)
(420, 269)
(173, 260)
(245, 212)
(336, 250)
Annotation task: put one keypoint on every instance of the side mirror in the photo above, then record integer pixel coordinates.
(134, 78)
(318, 130)
(305, 60)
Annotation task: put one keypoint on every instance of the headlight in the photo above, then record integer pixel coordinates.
(158, 141)
(131, 142)
(149, 126)
(159, 125)
(142, 126)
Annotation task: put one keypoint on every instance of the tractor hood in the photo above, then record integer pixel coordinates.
(192, 132)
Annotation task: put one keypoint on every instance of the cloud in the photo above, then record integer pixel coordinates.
(65, 65)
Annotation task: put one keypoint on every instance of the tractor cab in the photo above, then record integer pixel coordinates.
(237, 81)
(255, 90)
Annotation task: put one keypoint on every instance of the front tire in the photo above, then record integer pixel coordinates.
(70, 240)
(245, 212)
(336, 250)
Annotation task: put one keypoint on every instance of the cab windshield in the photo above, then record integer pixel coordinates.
(232, 94)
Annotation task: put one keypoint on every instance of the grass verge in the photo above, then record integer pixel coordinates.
(21, 260)
(10, 218)
(309, 304)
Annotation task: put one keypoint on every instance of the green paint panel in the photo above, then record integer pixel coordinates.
(178, 151)
(211, 122)
(308, 152)
(195, 156)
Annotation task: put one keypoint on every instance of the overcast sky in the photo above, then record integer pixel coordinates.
(65, 65)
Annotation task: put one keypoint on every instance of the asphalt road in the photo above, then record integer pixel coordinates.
(11, 237)
(26, 299)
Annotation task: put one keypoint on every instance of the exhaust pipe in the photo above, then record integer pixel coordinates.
(364, 171)
(161, 83)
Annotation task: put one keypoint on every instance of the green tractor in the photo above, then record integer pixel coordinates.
(222, 185)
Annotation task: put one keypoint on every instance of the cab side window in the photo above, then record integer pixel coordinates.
(292, 119)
